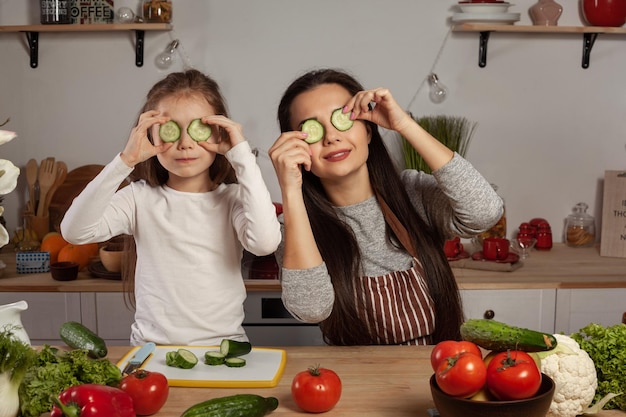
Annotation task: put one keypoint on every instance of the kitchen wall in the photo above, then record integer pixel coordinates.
(547, 129)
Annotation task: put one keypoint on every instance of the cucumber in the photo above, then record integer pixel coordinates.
(235, 362)
(314, 129)
(239, 405)
(169, 131)
(199, 131)
(494, 335)
(77, 336)
(214, 358)
(230, 348)
(184, 359)
(341, 120)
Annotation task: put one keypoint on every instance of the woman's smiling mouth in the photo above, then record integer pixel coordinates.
(337, 156)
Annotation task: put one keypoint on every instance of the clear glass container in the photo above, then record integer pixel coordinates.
(157, 11)
(579, 230)
(498, 229)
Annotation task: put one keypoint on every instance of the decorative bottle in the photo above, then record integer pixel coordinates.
(545, 13)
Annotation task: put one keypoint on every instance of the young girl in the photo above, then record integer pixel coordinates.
(363, 244)
(189, 218)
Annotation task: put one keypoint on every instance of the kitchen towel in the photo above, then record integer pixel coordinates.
(469, 263)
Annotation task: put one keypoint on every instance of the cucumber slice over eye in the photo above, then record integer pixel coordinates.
(314, 129)
(341, 120)
(199, 131)
(169, 131)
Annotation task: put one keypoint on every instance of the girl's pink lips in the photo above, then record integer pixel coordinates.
(184, 160)
(339, 155)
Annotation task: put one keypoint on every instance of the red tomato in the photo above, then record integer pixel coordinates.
(513, 375)
(449, 348)
(149, 391)
(316, 390)
(462, 375)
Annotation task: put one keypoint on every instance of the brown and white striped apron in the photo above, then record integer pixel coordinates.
(397, 307)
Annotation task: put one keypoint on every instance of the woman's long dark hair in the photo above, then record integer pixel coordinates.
(337, 243)
(187, 83)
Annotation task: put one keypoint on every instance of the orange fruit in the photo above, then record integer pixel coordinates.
(80, 254)
(53, 244)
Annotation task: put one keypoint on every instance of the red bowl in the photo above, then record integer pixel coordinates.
(611, 13)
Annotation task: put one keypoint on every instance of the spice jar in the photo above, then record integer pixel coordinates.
(157, 11)
(544, 236)
(498, 229)
(579, 230)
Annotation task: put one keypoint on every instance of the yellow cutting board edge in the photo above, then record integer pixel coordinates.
(209, 383)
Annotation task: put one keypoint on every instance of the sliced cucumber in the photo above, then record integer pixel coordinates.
(235, 362)
(230, 348)
(182, 358)
(169, 131)
(199, 131)
(214, 358)
(314, 129)
(341, 120)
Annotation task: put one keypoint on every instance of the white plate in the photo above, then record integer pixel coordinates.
(484, 7)
(493, 18)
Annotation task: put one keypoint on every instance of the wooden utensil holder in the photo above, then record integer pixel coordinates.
(39, 224)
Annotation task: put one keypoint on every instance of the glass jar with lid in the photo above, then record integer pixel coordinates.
(579, 230)
(157, 11)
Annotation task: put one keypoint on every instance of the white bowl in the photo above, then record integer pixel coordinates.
(490, 8)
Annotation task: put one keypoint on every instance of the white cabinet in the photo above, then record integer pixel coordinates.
(532, 308)
(46, 312)
(107, 315)
(577, 308)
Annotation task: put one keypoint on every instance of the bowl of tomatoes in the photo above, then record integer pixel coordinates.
(535, 406)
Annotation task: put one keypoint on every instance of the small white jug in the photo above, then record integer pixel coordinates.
(11, 316)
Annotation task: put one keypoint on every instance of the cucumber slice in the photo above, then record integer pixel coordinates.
(169, 131)
(235, 362)
(198, 131)
(314, 129)
(185, 359)
(341, 120)
(214, 358)
(230, 348)
(170, 358)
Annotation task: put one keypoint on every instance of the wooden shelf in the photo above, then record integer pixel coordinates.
(32, 34)
(590, 33)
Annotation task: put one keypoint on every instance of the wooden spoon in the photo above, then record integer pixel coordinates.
(60, 169)
(46, 179)
(31, 180)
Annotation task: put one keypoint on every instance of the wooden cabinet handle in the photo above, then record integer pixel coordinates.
(489, 314)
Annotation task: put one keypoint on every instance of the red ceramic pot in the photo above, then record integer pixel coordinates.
(610, 13)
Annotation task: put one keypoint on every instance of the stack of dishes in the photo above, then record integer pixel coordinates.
(494, 12)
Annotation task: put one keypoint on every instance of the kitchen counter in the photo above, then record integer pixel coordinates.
(377, 381)
(562, 267)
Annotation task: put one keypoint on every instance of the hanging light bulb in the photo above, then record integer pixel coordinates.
(438, 91)
(165, 59)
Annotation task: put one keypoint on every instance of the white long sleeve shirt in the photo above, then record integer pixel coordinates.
(188, 284)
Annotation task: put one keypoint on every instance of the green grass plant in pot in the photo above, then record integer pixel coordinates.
(453, 131)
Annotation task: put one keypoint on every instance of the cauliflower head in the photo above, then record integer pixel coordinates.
(574, 374)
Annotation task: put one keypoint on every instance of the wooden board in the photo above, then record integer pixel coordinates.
(263, 369)
(613, 239)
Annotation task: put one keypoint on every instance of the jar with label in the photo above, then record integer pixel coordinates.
(157, 11)
(55, 12)
(498, 229)
(579, 230)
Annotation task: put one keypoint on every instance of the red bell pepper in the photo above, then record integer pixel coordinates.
(93, 400)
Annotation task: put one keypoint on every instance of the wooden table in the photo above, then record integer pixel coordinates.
(377, 381)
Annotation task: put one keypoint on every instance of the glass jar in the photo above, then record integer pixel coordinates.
(55, 12)
(157, 11)
(498, 229)
(579, 230)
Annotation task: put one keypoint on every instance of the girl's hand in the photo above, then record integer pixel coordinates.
(386, 113)
(228, 134)
(139, 148)
(288, 153)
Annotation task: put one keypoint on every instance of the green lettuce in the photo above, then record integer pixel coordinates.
(607, 347)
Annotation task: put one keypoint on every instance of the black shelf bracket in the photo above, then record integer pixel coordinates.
(588, 40)
(482, 49)
(33, 46)
(139, 39)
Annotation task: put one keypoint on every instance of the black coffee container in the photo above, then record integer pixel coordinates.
(55, 12)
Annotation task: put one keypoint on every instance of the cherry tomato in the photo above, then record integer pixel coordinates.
(462, 375)
(449, 348)
(513, 375)
(149, 391)
(316, 390)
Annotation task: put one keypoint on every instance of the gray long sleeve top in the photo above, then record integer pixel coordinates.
(455, 198)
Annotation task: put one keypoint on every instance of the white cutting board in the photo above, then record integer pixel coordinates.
(263, 368)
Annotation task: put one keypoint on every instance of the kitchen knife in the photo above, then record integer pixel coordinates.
(139, 358)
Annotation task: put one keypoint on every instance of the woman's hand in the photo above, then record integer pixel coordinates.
(288, 153)
(386, 113)
(139, 148)
(227, 136)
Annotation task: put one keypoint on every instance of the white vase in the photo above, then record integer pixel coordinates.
(11, 317)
